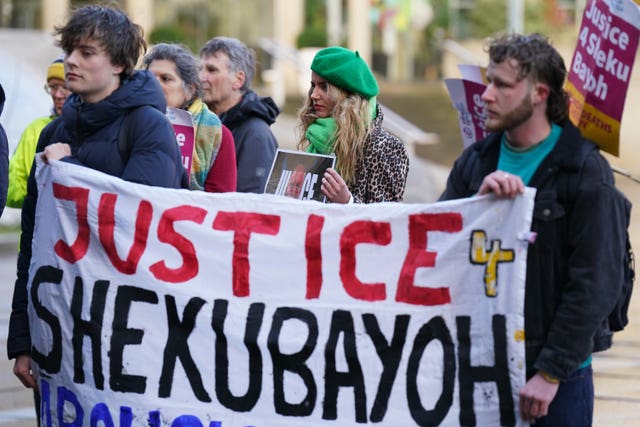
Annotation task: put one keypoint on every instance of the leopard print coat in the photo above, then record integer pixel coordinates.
(381, 173)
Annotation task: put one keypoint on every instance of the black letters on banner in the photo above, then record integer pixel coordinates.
(436, 328)
(91, 328)
(51, 362)
(254, 322)
(294, 362)
(342, 323)
(389, 350)
(390, 356)
(122, 336)
(177, 347)
(498, 373)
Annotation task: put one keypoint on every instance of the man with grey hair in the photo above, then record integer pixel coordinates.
(228, 67)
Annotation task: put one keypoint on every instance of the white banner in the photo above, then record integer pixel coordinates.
(151, 306)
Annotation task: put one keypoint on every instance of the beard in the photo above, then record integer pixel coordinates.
(513, 118)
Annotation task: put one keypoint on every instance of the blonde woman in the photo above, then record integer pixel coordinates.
(341, 116)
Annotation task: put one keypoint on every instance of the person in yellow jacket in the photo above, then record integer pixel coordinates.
(22, 159)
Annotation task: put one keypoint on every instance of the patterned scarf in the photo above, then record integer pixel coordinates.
(207, 144)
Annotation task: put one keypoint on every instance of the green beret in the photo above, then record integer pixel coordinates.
(345, 69)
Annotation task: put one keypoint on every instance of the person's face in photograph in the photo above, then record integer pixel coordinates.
(296, 181)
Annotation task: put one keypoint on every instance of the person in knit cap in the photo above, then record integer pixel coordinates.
(341, 116)
(20, 164)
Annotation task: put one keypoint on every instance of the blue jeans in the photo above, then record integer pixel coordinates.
(573, 404)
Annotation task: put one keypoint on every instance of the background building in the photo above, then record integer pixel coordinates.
(400, 38)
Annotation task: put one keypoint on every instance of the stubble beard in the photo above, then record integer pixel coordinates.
(513, 118)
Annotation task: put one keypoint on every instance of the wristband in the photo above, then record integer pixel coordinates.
(549, 378)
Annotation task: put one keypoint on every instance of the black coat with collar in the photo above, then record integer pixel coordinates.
(573, 275)
(4, 158)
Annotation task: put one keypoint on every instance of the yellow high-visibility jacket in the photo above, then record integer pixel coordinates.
(22, 159)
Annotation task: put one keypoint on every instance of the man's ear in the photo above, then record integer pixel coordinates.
(238, 81)
(540, 93)
(117, 69)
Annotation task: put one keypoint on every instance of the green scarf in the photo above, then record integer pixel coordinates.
(321, 136)
(321, 133)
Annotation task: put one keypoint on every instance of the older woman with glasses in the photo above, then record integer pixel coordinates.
(20, 164)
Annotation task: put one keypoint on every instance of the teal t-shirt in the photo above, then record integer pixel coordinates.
(524, 163)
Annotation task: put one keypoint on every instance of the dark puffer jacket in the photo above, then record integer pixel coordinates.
(4, 158)
(93, 131)
(573, 268)
(151, 157)
(249, 122)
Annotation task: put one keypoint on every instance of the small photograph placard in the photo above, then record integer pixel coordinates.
(298, 174)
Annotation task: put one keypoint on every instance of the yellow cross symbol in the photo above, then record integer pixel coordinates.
(490, 259)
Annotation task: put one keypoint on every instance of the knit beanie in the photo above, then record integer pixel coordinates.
(345, 69)
(56, 70)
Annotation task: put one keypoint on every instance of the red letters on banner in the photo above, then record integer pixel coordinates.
(243, 225)
(167, 234)
(313, 252)
(419, 256)
(361, 232)
(106, 228)
(78, 249)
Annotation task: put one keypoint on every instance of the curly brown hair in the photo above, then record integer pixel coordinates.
(538, 61)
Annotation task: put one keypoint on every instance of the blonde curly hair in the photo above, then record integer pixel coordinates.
(352, 115)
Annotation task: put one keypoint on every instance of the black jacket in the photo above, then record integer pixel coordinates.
(93, 132)
(573, 268)
(4, 158)
(249, 122)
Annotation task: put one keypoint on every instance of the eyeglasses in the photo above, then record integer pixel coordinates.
(52, 89)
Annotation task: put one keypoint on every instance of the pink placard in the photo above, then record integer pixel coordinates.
(185, 135)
